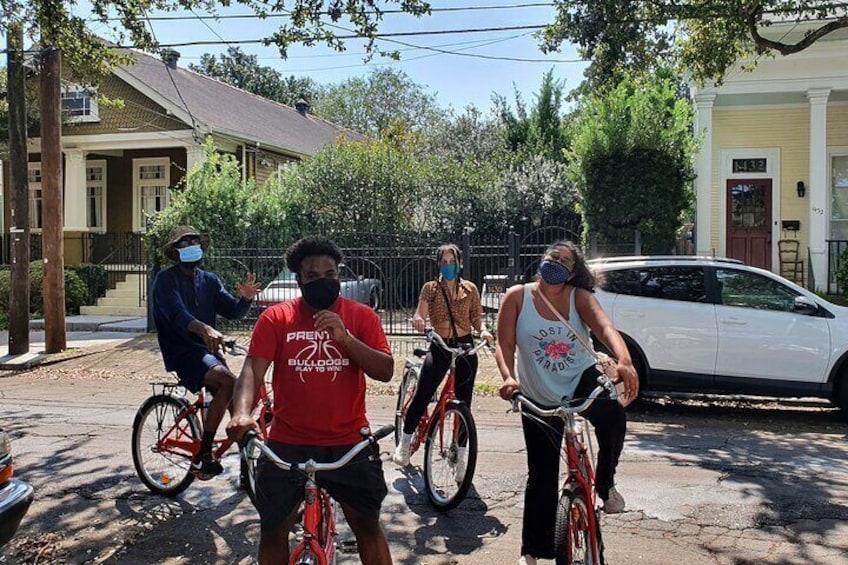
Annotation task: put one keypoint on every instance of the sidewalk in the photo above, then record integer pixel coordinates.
(82, 332)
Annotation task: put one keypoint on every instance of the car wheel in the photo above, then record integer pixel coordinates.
(374, 299)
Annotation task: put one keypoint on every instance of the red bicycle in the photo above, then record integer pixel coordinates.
(167, 432)
(317, 545)
(577, 536)
(448, 433)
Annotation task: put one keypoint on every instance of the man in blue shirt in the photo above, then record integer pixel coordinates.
(186, 300)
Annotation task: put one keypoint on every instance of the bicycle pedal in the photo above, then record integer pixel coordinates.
(347, 546)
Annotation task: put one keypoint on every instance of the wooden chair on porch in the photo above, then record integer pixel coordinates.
(791, 265)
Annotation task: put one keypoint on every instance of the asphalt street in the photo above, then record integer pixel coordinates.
(706, 482)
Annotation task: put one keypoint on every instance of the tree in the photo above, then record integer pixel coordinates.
(631, 160)
(244, 71)
(372, 104)
(541, 131)
(467, 137)
(707, 37)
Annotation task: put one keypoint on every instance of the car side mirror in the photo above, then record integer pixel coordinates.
(804, 305)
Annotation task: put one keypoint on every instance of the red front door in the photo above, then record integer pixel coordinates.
(749, 221)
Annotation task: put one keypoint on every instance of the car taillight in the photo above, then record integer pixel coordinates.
(6, 473)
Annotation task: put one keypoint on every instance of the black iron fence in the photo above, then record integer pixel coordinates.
(119, 254)
(387, 271)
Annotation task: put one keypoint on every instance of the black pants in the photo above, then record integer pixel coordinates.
(543, 457)
(436, 365)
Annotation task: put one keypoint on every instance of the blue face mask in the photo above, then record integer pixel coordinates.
(449, 272)
(554, 273)
(190, 254)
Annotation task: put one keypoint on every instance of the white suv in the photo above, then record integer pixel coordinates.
(703, 324)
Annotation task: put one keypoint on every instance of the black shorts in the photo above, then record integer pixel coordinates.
(193, 365)
(359, 484)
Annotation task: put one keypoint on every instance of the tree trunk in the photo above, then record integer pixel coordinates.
(19, 201)
(51, 192)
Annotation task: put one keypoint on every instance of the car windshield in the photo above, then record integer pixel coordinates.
(284, 275)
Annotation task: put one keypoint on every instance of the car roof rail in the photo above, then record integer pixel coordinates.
(650, 258)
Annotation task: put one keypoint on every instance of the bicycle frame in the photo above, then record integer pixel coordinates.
(580, 473)
(178, 438)
(319, 524)
(447, 395)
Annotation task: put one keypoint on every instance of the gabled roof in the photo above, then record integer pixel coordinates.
(224, 109)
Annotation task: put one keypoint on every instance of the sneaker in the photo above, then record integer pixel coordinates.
(461, 464)
(401, 455)
(204, 467)
(614, 504)
(527, 560)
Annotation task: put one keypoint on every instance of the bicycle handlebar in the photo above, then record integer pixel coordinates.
(233, 348)
(604, 385)
(432, 336)
(250, 439)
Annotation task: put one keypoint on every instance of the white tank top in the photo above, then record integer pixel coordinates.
(550, 357)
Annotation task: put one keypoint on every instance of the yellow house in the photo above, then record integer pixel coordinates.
(773, 165)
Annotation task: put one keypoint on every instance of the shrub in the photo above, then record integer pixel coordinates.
(94, 277)
(76, 293)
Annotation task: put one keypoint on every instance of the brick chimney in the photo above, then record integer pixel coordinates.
(302, 107)
(171, 56)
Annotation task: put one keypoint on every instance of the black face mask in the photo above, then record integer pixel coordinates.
(321, 293)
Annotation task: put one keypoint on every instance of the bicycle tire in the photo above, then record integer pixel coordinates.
(440, 481)
(406, 391)
(164, 473)
(572, 537)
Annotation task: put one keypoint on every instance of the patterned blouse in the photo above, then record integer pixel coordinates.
(465, 307)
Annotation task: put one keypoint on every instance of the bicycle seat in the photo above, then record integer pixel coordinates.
(418, 352)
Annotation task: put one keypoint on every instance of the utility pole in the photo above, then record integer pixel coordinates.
(19, 197)
(51, 190)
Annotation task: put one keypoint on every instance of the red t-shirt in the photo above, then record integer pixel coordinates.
(319, 393)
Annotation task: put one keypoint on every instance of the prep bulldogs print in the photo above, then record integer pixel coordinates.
(316, 353)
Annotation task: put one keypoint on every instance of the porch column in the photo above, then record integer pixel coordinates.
(195, 154)
(819, 185)
(704, 174)
(75, 194)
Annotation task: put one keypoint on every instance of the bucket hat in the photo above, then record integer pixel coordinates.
(179, 232)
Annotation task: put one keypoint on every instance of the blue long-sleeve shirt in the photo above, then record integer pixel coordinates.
(178, 299)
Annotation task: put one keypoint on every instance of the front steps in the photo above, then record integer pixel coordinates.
(123, 300)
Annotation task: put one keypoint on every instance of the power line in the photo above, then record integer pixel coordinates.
(369, 12)
(269, 41)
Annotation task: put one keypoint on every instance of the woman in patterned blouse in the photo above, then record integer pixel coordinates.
(452, 305)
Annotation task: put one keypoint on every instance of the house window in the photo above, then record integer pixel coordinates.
(839, 197)
(35, 196)
(79, 105)
(95, 190)
(151, 187)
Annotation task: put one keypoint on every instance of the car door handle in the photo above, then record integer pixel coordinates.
(734, 322)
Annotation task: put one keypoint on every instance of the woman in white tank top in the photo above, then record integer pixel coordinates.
(552, 366)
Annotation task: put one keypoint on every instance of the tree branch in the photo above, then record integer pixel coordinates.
(754, 17)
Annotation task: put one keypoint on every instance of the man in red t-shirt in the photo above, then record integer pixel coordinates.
(322, 346)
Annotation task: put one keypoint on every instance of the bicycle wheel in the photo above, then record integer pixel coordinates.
(406, 392)
(163, 466)
(445, 482)
(573, 541)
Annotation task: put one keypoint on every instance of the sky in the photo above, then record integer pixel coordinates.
(455, 80)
